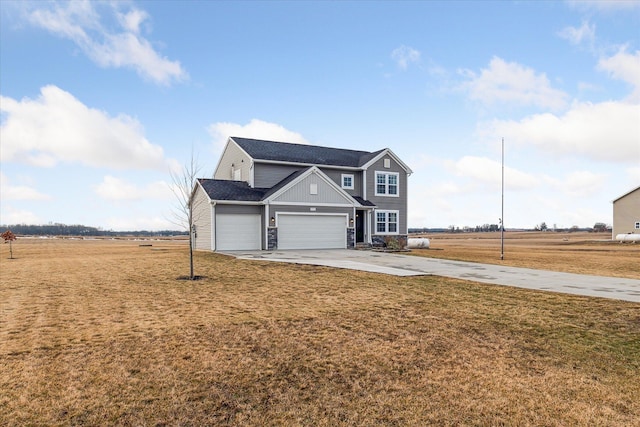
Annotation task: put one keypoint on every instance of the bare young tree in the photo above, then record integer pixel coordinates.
(182, 185)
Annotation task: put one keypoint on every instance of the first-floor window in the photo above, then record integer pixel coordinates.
(387, 222)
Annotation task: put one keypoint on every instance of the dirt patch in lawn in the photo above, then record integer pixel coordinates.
(101, 333)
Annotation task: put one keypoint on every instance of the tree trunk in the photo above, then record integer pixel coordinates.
(191, 275)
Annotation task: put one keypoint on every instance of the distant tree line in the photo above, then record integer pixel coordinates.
(82, 230)
(598, 227)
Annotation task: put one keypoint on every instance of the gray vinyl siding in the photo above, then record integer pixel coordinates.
(301, 193)
(238, 209)
(233, 155)
(202, 219)
(385, 202)
(266, 175)
(336, 176)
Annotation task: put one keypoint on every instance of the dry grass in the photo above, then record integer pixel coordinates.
(101, 333)
(580, 252)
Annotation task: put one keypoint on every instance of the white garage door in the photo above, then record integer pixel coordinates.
(312, 231)
(238, 232)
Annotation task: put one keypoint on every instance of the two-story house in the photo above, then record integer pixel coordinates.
(275, 195)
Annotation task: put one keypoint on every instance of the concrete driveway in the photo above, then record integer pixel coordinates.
(407, 265)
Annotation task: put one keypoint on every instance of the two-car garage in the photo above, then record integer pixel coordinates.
(312, 231)
(242, 232)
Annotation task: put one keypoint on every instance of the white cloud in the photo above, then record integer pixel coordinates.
(404, 55)
(132, 20)
(8, 191)
(512, 83)
(10, 215)
(56, 127)
(257, 129)
(116, 189)
(586, 33)
(626, 67)
(482, 170)
(608, 131)
(578, 183)
(122, 46)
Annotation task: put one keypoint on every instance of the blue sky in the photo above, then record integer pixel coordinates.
(100, 100)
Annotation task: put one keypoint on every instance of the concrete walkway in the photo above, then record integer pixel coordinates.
(407, 265)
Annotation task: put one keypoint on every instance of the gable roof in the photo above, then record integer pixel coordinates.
(307, 154)
(220, 189)
(240, 191)
(626, 194)
(284, 183)
(296, 177)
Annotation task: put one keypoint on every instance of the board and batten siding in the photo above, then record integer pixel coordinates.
(626, 212)
(301, 192)
(202, 219)
(389, 202)
(233, 158)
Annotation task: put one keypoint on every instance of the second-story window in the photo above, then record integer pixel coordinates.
(347, 181)
(387, 183)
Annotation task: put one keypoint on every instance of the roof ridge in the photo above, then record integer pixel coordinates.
(303, 145)
(288, 152)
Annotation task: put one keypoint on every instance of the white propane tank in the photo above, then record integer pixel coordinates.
(418, 243)
(631, 237)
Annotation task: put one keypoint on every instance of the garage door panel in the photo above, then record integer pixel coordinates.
(312, 232)
(238, 232)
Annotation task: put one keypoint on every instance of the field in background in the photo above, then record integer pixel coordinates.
(580, 252)
(102, 333)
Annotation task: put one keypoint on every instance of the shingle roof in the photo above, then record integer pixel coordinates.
(307, 154)
(239, 191)
(363, 202)
(219, 189)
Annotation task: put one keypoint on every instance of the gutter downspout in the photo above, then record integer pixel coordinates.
(213, 225)
(265, 244)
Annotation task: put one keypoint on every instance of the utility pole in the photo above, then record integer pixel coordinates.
(502, 212)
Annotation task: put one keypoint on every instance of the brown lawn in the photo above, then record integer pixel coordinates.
(102, 333)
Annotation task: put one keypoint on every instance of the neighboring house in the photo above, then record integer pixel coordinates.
(626, 213)
(275, 195)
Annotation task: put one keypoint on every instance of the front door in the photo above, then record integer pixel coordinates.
(360, 226)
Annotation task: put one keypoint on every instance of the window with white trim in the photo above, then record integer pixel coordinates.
(347, 181)
(387, 222)
(387, 184)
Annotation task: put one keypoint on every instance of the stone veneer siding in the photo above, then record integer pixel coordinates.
(272, 238)
(351, 238)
